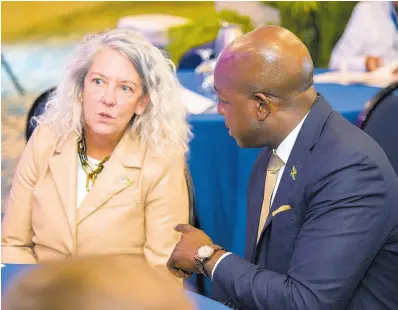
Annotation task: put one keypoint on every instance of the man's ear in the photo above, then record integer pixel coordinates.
(263, 106)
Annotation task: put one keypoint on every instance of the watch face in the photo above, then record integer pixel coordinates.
(205, 251)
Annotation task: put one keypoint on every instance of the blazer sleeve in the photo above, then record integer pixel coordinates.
(333, 250)
(166, 205)
(16, 236)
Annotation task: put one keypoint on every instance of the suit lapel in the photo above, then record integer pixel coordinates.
(63, 168)
(115, 177)
(287, 182)
(255, 200)
(294, 168)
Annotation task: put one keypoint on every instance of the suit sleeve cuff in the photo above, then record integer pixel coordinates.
(216, 264)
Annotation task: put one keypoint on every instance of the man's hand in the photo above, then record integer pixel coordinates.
(373, 63)
(182, 261)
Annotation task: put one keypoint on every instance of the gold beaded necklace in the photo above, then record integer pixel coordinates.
(87, 167)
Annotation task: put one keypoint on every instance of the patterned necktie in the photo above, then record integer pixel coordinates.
(274, 165)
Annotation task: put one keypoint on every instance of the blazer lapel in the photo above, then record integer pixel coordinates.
(115, 176)
(63, 168)
(294, 168)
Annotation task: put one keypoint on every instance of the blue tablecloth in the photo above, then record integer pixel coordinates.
(220, 169)
(9, 272)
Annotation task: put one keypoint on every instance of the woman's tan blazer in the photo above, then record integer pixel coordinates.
(132, 208)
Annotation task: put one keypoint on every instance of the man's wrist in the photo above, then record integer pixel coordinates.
(209, 265)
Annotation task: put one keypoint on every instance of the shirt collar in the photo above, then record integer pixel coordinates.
(285, 148)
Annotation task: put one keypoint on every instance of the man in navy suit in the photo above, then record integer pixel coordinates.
(322, 209)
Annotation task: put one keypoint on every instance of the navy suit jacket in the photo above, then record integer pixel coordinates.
(331, 238)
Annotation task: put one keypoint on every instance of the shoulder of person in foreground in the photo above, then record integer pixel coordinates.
(95, 283)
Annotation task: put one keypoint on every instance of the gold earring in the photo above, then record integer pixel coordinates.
(80, 96)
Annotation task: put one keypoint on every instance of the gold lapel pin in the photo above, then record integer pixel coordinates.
(127, 181)
(293, 173)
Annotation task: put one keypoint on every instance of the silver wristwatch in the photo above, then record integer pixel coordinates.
(204, 254)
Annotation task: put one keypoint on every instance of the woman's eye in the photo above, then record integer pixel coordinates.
(126, 88)
(98, 81)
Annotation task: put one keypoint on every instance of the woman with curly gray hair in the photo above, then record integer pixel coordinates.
(103, 173)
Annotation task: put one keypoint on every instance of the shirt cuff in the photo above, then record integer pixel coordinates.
(219, 260)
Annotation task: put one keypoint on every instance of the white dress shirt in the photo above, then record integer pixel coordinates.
(283, 151)
(371, 31)
(82, 178)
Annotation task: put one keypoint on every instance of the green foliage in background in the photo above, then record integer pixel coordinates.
(319, 24)
(202, 30)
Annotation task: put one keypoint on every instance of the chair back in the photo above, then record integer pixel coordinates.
(194, 221)
(193, 218)
(191, 59)
(372, 104)
(37, 109)
(380, 120)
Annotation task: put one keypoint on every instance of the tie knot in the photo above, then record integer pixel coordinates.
(275, 163)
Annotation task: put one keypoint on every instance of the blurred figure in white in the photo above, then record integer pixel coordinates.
(370, 39)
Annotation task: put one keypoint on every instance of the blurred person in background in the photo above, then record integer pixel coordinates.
(118, 283)
(370, 39)
(103, 173)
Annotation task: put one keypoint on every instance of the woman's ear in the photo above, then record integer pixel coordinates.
(262, 107)
(144, 101)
